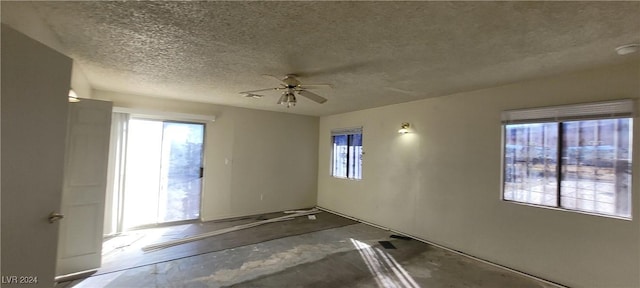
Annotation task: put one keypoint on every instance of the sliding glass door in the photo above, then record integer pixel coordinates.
(163, 172)
(181, 171)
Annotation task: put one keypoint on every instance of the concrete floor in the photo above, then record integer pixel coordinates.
(125, 252)
(347, 256)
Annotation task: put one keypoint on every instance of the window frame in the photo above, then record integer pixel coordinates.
(349, 133)
(617, 109)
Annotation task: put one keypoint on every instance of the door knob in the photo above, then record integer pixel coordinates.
(53, 217)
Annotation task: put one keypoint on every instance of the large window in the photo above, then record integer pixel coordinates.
(347, 153)
(575, 157)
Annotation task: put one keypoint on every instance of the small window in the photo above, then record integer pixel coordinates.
(574, 157)
(347, 153)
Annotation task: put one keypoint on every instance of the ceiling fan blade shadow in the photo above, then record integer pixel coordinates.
(312, 96)
(251, 95)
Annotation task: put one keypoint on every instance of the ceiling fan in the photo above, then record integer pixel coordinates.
(290, 87)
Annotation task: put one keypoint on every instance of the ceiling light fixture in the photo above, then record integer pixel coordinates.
(287, 98)
(404, 128)
(73, 97)
(627, 49)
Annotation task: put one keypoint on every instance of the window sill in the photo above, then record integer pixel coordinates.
(346, 178)
(569, 210)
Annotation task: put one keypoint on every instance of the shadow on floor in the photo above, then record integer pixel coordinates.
(412, 264)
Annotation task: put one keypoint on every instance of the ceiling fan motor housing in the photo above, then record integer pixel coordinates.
(291, 81)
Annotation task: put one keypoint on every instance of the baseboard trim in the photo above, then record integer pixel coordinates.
(74, 276)
(445, 248)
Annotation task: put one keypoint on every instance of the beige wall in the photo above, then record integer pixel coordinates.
(442, 182)
(255, 161)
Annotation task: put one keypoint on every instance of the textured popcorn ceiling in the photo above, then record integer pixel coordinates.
(373, 53)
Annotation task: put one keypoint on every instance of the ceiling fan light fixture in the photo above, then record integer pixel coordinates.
(283, 99)
(287, 98)
(291, 99)
(289, 86)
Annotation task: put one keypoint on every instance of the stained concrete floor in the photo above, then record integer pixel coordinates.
(130, 254)
(346, 256)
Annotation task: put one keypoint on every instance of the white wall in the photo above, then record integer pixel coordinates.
(442, 182)
(79, 82)
(255, 161)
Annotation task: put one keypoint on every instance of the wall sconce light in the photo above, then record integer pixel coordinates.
(404, 129)
(73, 97)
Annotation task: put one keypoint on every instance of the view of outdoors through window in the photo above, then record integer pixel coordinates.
(181, 171)
(347, 156)
(594, 158)
(531, 157)
(163, 176)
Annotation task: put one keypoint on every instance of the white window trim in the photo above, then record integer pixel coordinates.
(346, 131)
(623, 108)
(339, 132)
(165, 115)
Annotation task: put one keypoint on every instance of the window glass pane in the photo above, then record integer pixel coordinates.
(142, 177)
(181, 182)
(340, 156)
(355, 156)
(530, 163)
(347, 156)
(596, 166)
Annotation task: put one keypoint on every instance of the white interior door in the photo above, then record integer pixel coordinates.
(85, 177)
(35, 85)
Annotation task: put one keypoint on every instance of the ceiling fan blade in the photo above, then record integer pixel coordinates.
(312, 96)
(271, 77)
(293, 75)
(312, 86)
(252, 91)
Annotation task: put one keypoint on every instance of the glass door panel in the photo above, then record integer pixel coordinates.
(142, 176)
(181, 170)
(163, 177)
